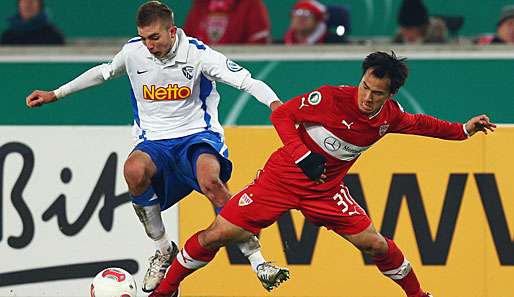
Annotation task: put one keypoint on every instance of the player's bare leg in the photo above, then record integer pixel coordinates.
(138, 171)
(389, 259)
(208, 172)
(198, 251)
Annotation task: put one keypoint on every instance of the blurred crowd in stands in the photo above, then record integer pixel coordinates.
(247, 22)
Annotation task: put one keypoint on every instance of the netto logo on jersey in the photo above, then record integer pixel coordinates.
(171, 92)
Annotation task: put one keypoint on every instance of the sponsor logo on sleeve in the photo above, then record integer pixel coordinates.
(314, 98)
(233, 66)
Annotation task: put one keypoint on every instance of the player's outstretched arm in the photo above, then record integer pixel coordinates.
(38, 98)
(479, 123)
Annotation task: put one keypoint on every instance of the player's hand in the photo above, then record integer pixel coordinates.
(479, 123)
(313, 166)
(38, 98)
(275, 104)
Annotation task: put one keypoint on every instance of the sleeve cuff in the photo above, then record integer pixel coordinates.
(302, 157)
(465, 131)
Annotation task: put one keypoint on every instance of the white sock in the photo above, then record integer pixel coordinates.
(163, 244)
(256, 259)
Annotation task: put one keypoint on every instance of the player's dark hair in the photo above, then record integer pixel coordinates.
(386, 65)
(153, 11)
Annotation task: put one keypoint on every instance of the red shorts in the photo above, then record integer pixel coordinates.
(259, 205)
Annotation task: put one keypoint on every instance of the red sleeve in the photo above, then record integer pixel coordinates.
(258, 24)
(312, 107)
(425, 125)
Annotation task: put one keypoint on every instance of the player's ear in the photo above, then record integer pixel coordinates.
(173, 31)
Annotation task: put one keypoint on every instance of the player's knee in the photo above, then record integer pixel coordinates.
(213, 238)
(377, 246)
(374, 245)
(215, 190)
(135, 173)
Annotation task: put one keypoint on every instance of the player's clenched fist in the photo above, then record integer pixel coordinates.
(479, 123)
(38, 98)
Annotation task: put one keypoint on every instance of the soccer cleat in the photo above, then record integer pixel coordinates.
(426, 294)
(271, 276)
(159, 263)
(160, 294)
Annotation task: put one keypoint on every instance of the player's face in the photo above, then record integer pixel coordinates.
(373, 92)
(29, 8)
(411, 34)
(506, 31)
(158, 38)
(303, 21)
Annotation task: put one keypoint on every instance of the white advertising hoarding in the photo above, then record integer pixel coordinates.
(65, 212)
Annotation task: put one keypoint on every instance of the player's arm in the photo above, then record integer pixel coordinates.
(217, 67)
(312, 107)
(425, 125)
(92, 77)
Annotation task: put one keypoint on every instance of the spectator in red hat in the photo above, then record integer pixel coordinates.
(308, 24)
(229, 22)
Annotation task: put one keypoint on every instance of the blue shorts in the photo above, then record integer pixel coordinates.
(175, 160)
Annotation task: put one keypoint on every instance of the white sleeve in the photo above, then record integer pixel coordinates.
(217, 67)
(259, 90)
(94, 76)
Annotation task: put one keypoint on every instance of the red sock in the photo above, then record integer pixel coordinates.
(396, 267)
(189, 259)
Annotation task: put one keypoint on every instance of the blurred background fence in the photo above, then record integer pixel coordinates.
(370, 18)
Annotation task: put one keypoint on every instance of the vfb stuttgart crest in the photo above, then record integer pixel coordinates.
(383, 129)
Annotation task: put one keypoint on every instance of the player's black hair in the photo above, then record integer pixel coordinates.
(388, 66)
(153, 11)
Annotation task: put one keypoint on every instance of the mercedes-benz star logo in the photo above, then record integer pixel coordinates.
(332, 144)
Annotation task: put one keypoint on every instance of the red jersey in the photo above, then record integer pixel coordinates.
(330, 123)
(229, 22)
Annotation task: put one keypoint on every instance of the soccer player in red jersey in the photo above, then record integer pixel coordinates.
(335, 126)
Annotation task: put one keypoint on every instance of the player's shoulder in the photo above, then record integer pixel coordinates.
(393, 104)
(133, 44)
(196, 44)
(341, 91)
(192, 43)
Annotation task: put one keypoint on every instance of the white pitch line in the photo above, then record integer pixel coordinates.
(412, 101)
(242, 99)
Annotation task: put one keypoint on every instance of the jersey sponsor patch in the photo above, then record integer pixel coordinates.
(233, 66)
(188, 71)
(245, 200)
(314, 98)
(171, 92)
